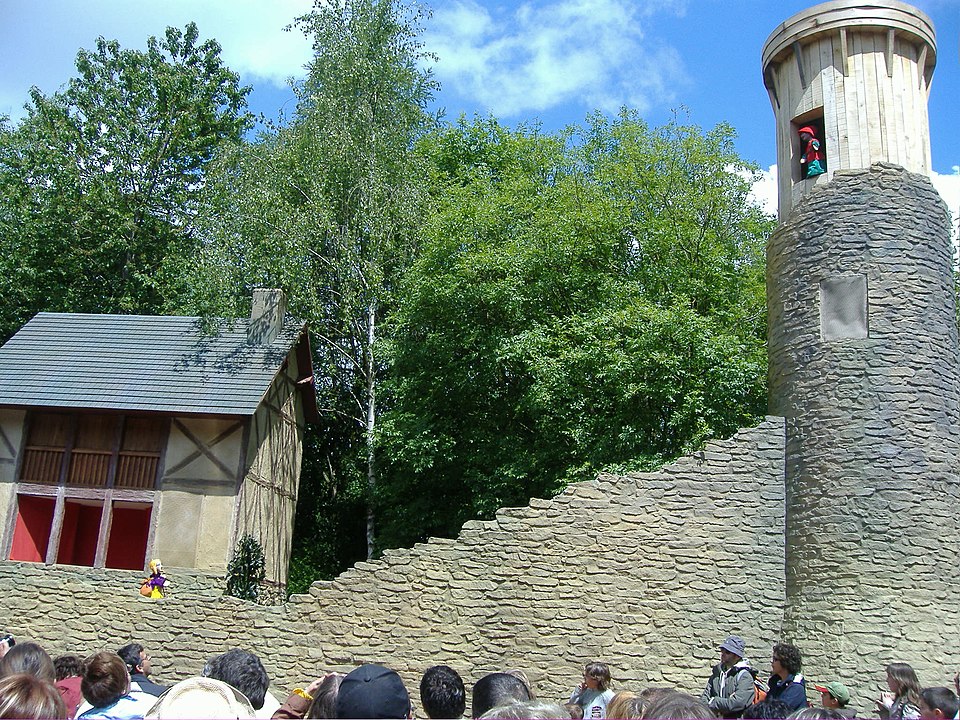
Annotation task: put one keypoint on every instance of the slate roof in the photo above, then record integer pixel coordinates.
(140, 362)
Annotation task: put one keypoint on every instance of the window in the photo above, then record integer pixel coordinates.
(811, 148)
(86, 489)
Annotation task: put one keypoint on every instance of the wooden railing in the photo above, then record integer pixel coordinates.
(137, 470)
(41, 465)
(89, 468)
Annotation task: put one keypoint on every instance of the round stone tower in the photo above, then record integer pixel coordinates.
(863, 348)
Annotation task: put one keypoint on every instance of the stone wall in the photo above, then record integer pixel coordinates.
(647, 572)
(864, 367)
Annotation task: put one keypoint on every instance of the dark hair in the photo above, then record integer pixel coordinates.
(789, 657)
(942, 699)
(243, 671)
(677, 706)
(906, 681)
(496, 689)
(815, 713)
(324, 703)
(65, 666)
(600, 672)
(131, 656)
(767, 710)
(105, 678)
(30, 659)
(28, 697)
(442, 694)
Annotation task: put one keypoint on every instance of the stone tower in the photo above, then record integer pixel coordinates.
(863, 347)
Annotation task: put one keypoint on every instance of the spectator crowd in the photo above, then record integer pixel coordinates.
(117, 685)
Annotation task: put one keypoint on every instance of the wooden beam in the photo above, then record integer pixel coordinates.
(797, 54)
(103, 537)
(203, 449)
(53, 544)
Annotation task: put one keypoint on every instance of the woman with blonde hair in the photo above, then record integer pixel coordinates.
(622, 707)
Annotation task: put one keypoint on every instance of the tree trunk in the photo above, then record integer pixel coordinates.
(370, 370)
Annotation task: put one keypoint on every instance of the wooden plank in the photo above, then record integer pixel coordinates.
(857, 110)
(840, 100)
(885, 105)
(828, 75)
(888, 57)
(873, 61)
(845, 56)
(798, 58)
(815, 90)
(922, 64)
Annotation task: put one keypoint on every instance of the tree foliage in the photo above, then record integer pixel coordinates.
(586, 301)
(325, 208)
(100, 182)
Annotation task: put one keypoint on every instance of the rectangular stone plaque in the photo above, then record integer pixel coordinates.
(843, 307)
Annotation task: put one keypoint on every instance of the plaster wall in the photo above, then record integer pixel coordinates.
(11, 441)
(268, 495)
(647, 571)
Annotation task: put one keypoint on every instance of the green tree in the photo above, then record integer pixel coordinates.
(325, 208)
(100, 182)
(586, 301)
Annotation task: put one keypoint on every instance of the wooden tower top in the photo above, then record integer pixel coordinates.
(859, 73)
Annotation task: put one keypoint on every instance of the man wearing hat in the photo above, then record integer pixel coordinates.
(730, 688)
(373, 692)
(835, 696)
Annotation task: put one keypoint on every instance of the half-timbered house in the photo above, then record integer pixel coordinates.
(127, 437)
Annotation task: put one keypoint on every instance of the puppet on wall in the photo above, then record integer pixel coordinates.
(153, 586)
(811, 156)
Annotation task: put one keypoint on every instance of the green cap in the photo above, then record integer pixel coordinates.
(838, 691)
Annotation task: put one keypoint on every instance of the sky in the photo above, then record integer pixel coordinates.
(550, 62)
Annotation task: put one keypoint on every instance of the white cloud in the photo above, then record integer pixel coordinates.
(764, 191)
(39, 40)
(539, 55)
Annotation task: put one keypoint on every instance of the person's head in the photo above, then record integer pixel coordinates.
(938, 703)
(65, 666)
(373, 691)
(28, 658)
(527, 711)
(596, 676)
(575, 711)
(156, 567)
(677, 706)
(324, 703)
(767, 710)
(522, 677)
(497, 689)
(201, 697)
(28, 697)
(241, 670)
(815, 713)
(136, 658)
(620, 705)
(833, 695)
(731, 651)
(903, 682)
(105, 679)
(442, 694)
(806, 133)
(785, 660)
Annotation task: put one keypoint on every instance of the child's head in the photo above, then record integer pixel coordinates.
(806, 133)
(598, 672)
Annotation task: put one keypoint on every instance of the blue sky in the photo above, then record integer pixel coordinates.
(547, 61)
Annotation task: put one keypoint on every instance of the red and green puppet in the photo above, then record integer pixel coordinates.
(811, 161)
